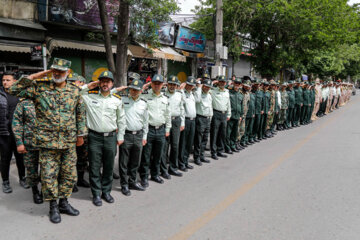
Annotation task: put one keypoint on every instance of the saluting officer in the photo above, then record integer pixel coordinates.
(204, 113)
(136, 114)
(222, 113)
(187, 136)
(159, 128)
(106, 123)
(177, 113)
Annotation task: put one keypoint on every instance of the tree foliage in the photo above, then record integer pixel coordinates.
(307, 35)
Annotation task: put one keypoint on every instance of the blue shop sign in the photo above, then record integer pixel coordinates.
(190, 40)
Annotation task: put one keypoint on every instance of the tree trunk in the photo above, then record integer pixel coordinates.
(107, 36)
(122, 43)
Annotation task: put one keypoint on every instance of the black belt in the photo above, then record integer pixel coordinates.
(202, 116)
(134, 132)
(190, 118)
(156, 128)
(175, 117)
(107, 134)
(223, 112)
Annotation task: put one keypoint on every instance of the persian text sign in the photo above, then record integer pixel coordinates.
(190, 40)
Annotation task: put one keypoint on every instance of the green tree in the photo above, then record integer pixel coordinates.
(287, 33)
(143, 16)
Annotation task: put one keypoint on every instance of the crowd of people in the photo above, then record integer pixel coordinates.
(57, 126)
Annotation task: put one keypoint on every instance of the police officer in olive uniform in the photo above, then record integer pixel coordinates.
(237, 114)
(177, 113)
(222, 113)
(159, 129)
(306, 102)
(136, 114)
(204, 113)
(291, 111)
(187, 136)
(259, 111)
(106, 122)
(298, 103)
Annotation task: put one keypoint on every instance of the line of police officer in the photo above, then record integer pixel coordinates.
(157, 129)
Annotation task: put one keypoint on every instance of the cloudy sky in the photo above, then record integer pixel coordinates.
(187, 5)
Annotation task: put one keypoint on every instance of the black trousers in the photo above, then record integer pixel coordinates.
(8, 148)
(186, 142)
(152, 152)
(202, 131)
(129, 158)
(217, 132)
(172, 143)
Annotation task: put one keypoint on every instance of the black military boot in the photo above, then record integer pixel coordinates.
(81, 181)
(66, 208)
(54, 213)
(36, 195)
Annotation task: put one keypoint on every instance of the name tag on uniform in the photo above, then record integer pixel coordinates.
(126, 103)
(95, 102)
(48, 92)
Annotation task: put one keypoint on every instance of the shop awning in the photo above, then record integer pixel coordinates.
(169, 53)
(141, 52)
(77, 45)
(162, 53)
(14, 48)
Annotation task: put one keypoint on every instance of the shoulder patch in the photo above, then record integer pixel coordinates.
(93, 92)
(117, 95)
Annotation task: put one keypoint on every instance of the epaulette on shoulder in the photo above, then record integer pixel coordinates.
(117, 95)
(45, 79)
(165, 95)
(143, 99)
(76, 85)
(93, 92)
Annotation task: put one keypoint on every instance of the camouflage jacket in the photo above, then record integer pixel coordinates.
(60, 112)
(246, 101)
(284, 100)
(24, 124)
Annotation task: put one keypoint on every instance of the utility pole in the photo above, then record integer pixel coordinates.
(219, 32)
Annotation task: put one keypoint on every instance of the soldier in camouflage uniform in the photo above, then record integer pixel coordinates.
(269, 105)
(284, 107)
(23, 124)
(60, 120)
(242, 126)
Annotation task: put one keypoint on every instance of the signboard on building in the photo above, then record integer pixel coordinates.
(166, 33)
(81, 12)
(190, 40)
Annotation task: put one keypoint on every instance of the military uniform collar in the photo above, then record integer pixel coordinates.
(154, 95)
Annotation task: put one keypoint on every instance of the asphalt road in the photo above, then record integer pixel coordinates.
(302, 184)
